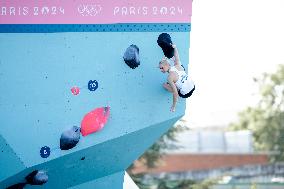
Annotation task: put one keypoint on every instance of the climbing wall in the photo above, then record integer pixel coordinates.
(53, 75)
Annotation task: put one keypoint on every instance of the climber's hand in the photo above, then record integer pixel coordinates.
(173, 109)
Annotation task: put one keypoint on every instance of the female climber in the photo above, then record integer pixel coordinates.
(179, 83)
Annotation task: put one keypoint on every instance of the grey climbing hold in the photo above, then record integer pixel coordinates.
(165, 42)
(70, 138)
(37, 178)
(34, 178)
(131, 56)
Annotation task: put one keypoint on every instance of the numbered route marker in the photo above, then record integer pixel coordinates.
(75, 90)
(93, 85)
(45, 152)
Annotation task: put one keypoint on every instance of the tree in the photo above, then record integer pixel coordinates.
(266, 118)
(151, 157)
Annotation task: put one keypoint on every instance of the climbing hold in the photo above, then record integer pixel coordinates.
(75, 90)
(165, 42)
(93, 85)
(131, 56)
(34, 178)
(70, 138)
(37, 178)
(94, 120)
(44, 152)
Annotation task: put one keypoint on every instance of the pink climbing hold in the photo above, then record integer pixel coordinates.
(94, 120)
(75, 90)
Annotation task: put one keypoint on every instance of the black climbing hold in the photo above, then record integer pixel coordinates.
(45, 152)
(83, 158)
(70, 138)
(17, 186)
(93, 85)
(165, 41)
(131, 56)
(37, 178)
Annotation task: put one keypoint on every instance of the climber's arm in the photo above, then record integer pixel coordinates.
(176, 55)
(175, 92)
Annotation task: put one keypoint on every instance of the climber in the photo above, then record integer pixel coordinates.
(179, 83)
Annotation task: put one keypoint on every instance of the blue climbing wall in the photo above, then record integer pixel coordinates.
(38, 67)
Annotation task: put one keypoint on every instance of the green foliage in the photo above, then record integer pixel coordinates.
(206, 184)
(172, 184)
(179, 184)
(266, 119)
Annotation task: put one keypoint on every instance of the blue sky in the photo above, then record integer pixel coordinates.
(232, 41)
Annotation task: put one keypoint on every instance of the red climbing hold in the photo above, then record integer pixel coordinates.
(75, 90)
(94, 120)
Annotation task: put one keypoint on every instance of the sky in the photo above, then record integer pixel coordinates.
(231, 42)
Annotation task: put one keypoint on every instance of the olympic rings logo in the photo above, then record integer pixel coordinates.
(89, 10)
